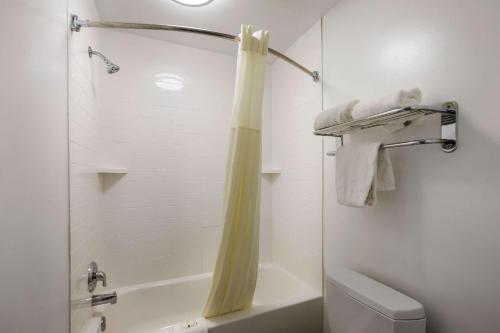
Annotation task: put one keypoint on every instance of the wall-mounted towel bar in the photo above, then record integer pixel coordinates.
(410, 143)
(449, 116)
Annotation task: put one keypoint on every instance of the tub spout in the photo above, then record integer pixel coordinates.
(104, 299)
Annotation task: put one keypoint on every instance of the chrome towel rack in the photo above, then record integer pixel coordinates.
(449, 117)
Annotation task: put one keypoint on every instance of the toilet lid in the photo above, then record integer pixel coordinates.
(376, 295)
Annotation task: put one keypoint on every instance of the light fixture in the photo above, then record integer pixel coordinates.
(193, 3)
(169, 81)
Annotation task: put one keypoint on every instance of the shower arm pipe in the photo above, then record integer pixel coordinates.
(77, 24)
(92, 52)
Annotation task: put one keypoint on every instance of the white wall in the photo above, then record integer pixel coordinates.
(436, 237)
(164, 218)
(34, 263)
(297, 191)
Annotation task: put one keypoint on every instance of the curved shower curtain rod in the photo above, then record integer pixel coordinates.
(77, 24)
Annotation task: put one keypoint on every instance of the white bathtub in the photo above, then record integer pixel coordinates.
(282, 303)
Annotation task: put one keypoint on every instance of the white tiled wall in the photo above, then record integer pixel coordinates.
(85, 146)
(296, 193)
(163, 218)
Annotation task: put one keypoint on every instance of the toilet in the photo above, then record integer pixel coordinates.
(357, 304)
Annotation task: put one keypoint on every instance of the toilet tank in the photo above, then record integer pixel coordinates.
(355, 303)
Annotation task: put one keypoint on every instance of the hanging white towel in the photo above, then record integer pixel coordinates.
(361, 171)
(335, 115)
(401, 98)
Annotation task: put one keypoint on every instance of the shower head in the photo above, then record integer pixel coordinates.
(110, 67)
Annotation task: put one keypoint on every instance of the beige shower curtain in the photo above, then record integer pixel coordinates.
(235, 272)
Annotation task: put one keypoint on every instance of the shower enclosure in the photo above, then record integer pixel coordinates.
(148, 149)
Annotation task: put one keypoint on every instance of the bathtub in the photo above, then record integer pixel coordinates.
(282, 303)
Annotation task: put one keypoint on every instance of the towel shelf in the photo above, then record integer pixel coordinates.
(448, 112)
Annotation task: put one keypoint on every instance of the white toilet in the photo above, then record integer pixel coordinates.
(358, 304)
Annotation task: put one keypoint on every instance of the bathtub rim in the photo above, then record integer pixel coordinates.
(304, 294)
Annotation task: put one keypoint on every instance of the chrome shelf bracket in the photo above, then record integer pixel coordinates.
(449, 127)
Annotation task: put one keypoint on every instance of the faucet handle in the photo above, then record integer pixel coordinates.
(94, 276)
(101, 276)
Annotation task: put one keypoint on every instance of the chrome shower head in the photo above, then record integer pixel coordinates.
(110, 67)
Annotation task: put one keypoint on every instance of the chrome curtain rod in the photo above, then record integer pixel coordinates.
(77, 24)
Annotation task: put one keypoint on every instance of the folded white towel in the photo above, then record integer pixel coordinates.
(402, 98)
(399, 99)
(361, 171)
(335, 115)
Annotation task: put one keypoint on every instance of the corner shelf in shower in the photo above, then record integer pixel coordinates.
(271, 171)
(448, 112)
(111, 171)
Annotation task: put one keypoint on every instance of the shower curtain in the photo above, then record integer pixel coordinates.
(235, 273)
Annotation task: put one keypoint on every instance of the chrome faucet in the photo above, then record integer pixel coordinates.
(94, 276)
(101, 276)
(104, 299)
